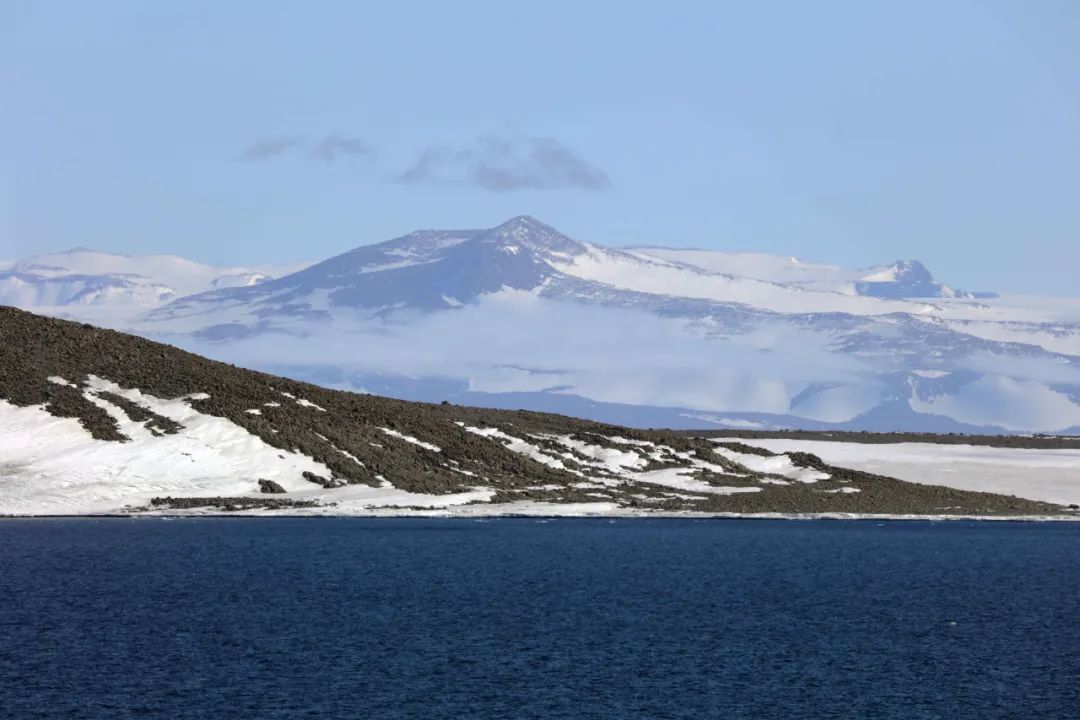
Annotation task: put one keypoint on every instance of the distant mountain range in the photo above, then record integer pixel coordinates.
(128, 285)
(522, 316)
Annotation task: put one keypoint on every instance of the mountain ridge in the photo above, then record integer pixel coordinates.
(85, 277)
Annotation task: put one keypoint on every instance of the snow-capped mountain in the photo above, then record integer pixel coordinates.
(431, 270)
(128, 285)
(908, 279)
(522, 316)
(425, 270)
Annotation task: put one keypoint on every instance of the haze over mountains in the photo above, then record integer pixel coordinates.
(522, 316)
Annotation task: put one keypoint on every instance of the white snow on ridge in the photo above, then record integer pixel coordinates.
(759, 266)
(655, 276)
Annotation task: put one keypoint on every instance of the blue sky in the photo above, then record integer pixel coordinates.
(848, 132)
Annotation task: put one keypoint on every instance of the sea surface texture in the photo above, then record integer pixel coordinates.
(523, 618)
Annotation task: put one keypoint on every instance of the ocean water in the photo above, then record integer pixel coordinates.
(521, 618)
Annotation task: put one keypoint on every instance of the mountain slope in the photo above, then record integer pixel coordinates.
(425, 270)
(520, 315)
(432, 270)
(93, 420)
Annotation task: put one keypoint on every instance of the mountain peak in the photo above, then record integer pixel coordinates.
(908, 271)
(912, 270)
(903, 279)
(522, 226)
(528, 232)
(523, 221)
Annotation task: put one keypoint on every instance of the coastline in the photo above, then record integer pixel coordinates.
(536, 514)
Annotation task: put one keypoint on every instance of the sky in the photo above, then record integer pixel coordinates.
(264, 132)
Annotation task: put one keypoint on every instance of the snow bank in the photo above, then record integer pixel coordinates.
(1046, 475)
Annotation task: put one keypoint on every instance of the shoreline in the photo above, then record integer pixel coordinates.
(525, 515)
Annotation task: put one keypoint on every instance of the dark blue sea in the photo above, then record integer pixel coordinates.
(520, 618)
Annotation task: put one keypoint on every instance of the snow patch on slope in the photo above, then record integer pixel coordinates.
(411, 439)
(53, 466)
(515, 444)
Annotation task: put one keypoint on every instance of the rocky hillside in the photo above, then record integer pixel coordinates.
(93, 420)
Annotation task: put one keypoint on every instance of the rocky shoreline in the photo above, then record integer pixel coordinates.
(509, 512)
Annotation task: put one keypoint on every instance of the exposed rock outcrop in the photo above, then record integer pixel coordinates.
(270, 487)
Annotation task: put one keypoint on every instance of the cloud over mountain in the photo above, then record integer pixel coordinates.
(493, 162)
(503, 164)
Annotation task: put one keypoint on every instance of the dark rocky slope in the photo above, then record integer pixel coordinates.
(348, 433)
